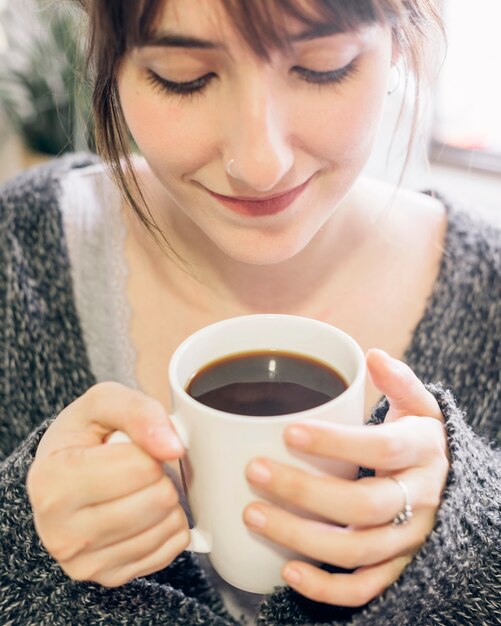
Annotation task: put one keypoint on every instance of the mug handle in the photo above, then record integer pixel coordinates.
(199, 541)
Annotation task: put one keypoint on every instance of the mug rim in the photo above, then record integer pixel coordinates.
(234, 417)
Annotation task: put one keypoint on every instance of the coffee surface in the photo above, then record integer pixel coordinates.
(265, 383)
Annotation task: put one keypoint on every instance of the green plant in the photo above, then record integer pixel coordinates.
(43, 89)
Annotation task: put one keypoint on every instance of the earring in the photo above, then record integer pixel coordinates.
(229, 165)
(392, 89)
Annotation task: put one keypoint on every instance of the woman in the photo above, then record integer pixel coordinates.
(254, 121)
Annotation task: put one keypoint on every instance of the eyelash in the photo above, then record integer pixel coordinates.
(188, 89)
(327, 78)
(197, 86)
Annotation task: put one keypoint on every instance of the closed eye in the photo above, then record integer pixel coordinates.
(198, 85)
(325, 78)
(180, 88)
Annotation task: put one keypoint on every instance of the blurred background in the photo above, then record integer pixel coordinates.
(45, 101)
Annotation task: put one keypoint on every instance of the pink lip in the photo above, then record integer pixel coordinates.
(263, 206)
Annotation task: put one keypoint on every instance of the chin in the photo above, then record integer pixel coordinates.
(264, 251)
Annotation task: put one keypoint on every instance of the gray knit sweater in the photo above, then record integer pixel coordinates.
(454, 579)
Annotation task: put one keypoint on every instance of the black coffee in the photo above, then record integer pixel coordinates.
(265, 383)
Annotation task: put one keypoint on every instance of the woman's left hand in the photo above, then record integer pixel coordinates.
(357, 530)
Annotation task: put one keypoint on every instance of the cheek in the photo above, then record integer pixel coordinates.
(347, 134)
(170, 136)
(341, 127)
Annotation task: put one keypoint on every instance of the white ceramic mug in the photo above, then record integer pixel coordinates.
(220, 445)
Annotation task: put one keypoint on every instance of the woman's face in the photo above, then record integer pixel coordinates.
(198, 98)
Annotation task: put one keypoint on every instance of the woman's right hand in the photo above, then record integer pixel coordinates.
(108, 513)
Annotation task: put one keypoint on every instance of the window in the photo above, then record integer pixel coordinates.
(467, 124)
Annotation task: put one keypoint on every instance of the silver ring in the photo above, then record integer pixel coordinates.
(406, 513)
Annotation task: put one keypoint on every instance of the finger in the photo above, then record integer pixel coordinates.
(163, 550)
(348, 548)
(120, 562)
(102, 473)
(406, 393)
(353, 590)
(331, 498)
(113, 522)
(410, 441)
(370, 501)
(108, 407)
(161, 558)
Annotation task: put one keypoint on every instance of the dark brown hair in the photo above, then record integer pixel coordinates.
(116, 26)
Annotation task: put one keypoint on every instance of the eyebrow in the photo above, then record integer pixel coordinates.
(174, 40)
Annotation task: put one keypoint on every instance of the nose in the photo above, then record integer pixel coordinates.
(258, 146)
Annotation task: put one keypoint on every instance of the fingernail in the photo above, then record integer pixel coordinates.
(167, 437)
(298, 437)
(255, 517)
(258, 472)
(292, 576)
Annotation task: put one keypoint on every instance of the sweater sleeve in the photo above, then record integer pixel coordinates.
(455, 578)
(44, 367)
(34, 590)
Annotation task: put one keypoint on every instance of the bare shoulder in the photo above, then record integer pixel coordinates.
(403, 214)
(421, 206)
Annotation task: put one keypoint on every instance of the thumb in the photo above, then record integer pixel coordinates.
(144, 422)
(108, 408)
(405, 392)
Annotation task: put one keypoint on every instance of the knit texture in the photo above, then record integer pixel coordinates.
(455, 578)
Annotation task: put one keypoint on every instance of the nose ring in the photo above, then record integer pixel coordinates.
(229, 166)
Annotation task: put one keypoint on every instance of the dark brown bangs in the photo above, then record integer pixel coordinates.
(262, 23)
